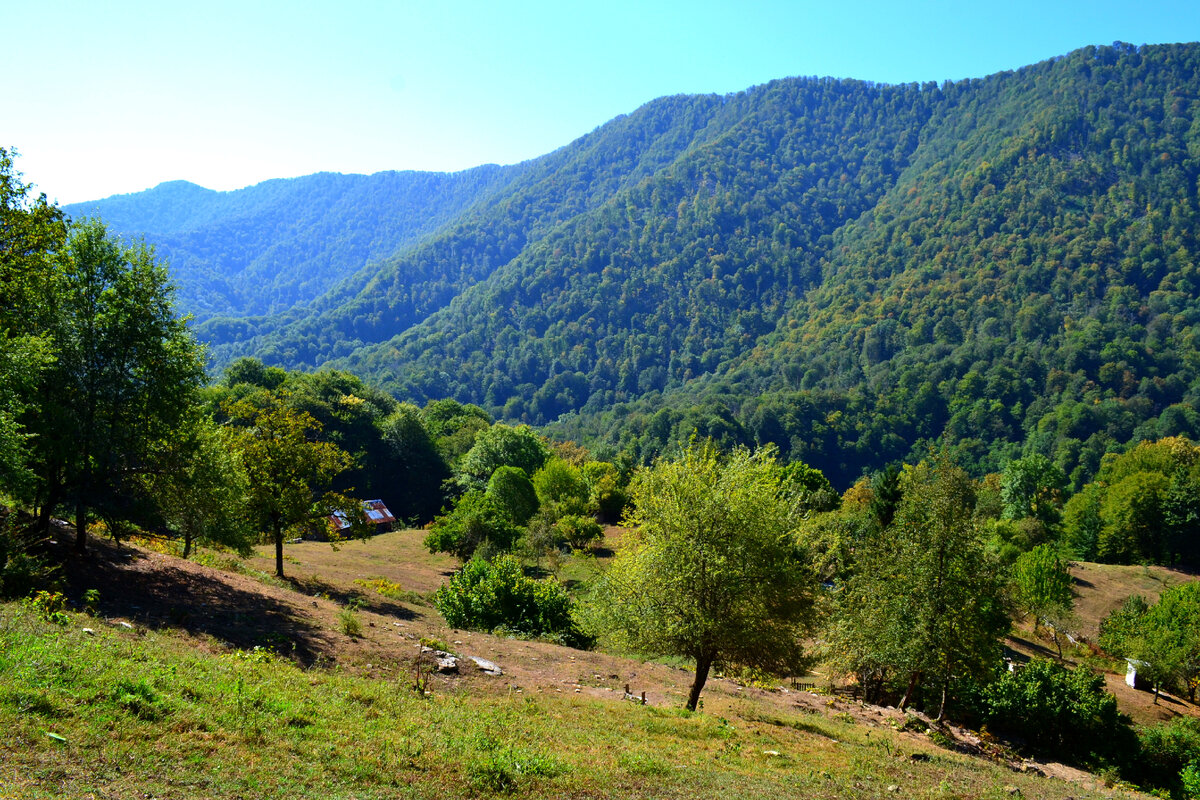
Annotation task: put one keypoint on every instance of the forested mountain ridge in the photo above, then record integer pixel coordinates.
(382, 300)
(1028, 285)
(850, 270)
(267, 247)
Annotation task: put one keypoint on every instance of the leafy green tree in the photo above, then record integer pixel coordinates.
(1042, 585)
(709, 570)
(925, 604)
(1132, 515)
(408, 469)
(1163, 638)
(606, 490)
(454, 426)
(1060, 713)
(32, 232)
(289, 472)
(886, 495)
(1082, 522)
(476, 524)
(560, 485)
(577, 531)
(1033, 487)
(815, 490)
(511, 490)
(125, 376)
(498, 446)
(201, 489)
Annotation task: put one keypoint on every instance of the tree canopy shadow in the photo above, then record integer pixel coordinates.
(366, 599)
(170, 597)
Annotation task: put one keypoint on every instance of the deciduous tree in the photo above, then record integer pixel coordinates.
(709, 570)
(924, 606)
(1042, 585)
(289, 470)
(125, 376)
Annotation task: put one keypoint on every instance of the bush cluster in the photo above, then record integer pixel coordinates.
(486, 595)
(1060, 713)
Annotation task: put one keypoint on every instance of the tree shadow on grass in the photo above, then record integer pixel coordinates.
(367, 599)
(170, 597)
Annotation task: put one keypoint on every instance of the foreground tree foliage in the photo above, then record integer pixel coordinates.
(924, 607)
(124, 379)
(709, 570)
(32, 232)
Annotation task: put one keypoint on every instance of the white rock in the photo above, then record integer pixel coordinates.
(488, 667)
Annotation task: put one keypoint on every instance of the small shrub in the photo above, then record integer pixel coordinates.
(487, 595)
(50, 605)
(390, 589)
(641, 764)
(942, 739)
(434, 643)
(913, 724)
(1168, 750)
(91, 602)
(24, 566)
(258, 655)
(578, 531)
(1189, 779)
(499, 770)
(348, 622)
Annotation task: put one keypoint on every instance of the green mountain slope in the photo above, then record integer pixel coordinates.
(267, 247)
(853, 271)
(1029, 281)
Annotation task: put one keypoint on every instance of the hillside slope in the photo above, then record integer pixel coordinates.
(163, 694)
(267, 247)
(852, 271)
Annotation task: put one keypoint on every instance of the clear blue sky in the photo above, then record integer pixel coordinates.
(112, 97)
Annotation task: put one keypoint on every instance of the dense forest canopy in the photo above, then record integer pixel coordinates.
(848, 270)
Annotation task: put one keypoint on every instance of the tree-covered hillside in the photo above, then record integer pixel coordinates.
(1029, 282)
(267, 247)
(850, 270)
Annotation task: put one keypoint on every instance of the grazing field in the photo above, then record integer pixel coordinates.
(221, 681)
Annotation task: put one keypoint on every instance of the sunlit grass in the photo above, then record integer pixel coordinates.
(122, 713)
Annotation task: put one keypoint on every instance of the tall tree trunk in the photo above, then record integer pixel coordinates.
(913, 680)
(81, 515)
(703, 663)
(187, 545)
(43, 519)
(277, 524)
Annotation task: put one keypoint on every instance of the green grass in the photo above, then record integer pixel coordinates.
(127, 713)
